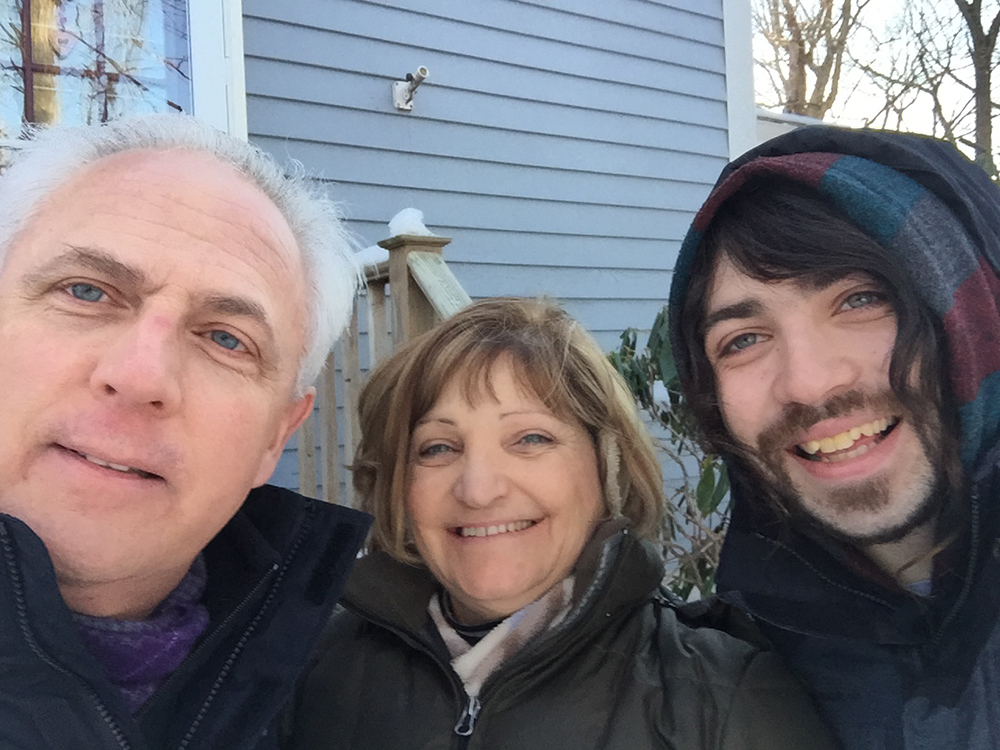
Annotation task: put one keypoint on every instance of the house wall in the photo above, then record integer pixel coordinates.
(563, 145)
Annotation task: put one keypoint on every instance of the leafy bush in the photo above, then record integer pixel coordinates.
(696, 486)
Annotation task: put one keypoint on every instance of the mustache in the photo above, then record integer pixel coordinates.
(795, 419)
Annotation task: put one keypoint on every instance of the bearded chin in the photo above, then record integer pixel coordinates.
(864, 499)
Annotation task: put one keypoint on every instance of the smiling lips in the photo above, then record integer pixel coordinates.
(116, 467)
(841, 447)
(493, 530)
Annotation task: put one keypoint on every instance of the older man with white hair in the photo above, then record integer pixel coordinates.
(167, 298)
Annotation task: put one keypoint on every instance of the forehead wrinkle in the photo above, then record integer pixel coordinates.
(95, 259)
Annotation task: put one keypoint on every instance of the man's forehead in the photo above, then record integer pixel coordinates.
(142, 217)
(728, 276)
(735, 293)
(160, 184)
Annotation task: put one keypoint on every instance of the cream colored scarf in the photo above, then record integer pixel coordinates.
(473, 664)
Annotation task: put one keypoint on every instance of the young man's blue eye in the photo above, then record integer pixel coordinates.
(863, 299)
(225, 340)
(743, 341)
(86, 292)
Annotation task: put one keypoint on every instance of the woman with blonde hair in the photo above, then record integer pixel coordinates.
(511, 594)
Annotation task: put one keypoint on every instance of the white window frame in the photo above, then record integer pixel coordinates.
(218, 79)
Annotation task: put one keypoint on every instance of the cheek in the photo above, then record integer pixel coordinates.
(740, 406)
(230, 431)
(422, 499)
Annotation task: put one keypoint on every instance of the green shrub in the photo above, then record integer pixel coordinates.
(696, 487)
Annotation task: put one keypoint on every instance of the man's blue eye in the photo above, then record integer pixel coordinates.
(862, 299)
(225, 340)
(743, 341)
(86, 292)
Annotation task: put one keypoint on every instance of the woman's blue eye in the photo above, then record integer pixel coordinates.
(225, 340)
(535, 439)
(436, 449)
(86, 292)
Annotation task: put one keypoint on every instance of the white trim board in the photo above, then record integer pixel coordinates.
(737, 23)
(218, 80)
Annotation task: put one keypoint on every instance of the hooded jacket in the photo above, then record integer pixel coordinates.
(890, 669)
(274, 575)
(625, 670)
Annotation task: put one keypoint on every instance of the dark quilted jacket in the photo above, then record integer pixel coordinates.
(625, 670)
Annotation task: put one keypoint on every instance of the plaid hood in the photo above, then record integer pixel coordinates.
(938, 213)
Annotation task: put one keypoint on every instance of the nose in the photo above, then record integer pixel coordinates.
(481, 480)
(814, 366)
(140, 366)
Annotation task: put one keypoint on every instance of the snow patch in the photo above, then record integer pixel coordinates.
(372, 255)
(409, 221)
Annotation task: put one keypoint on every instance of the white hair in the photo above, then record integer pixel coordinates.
(52, 156)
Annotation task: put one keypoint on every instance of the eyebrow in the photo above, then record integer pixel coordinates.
(242, 307)
(93, 259)
(428, 420)
(746, 308)
(121, 273)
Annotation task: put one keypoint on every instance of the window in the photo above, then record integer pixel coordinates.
(90, 61)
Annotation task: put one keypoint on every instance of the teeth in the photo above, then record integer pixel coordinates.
(502, 528)
(859, 451)
(107, 464)
(846, 439)
(117, 467)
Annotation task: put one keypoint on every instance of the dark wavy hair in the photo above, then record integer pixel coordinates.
(776, 229)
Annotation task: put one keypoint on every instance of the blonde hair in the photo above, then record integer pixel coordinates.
(553, 357)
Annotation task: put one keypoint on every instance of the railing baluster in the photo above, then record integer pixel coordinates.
(327, 394)
(352, 385)
(307, 457)
(379, 344)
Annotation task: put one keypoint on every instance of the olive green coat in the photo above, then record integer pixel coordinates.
(625, 670)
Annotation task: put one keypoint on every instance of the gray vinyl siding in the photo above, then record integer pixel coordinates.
(563, 145)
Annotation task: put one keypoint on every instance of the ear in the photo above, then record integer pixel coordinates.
(295, 414)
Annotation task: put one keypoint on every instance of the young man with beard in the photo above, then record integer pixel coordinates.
(835, 323)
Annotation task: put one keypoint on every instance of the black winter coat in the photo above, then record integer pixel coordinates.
(274, 574)
(626, 670)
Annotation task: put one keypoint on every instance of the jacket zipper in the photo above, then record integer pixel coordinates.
(472, 706)
(277, 573)
(467, 722)
(103, 711)
(223, 673)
